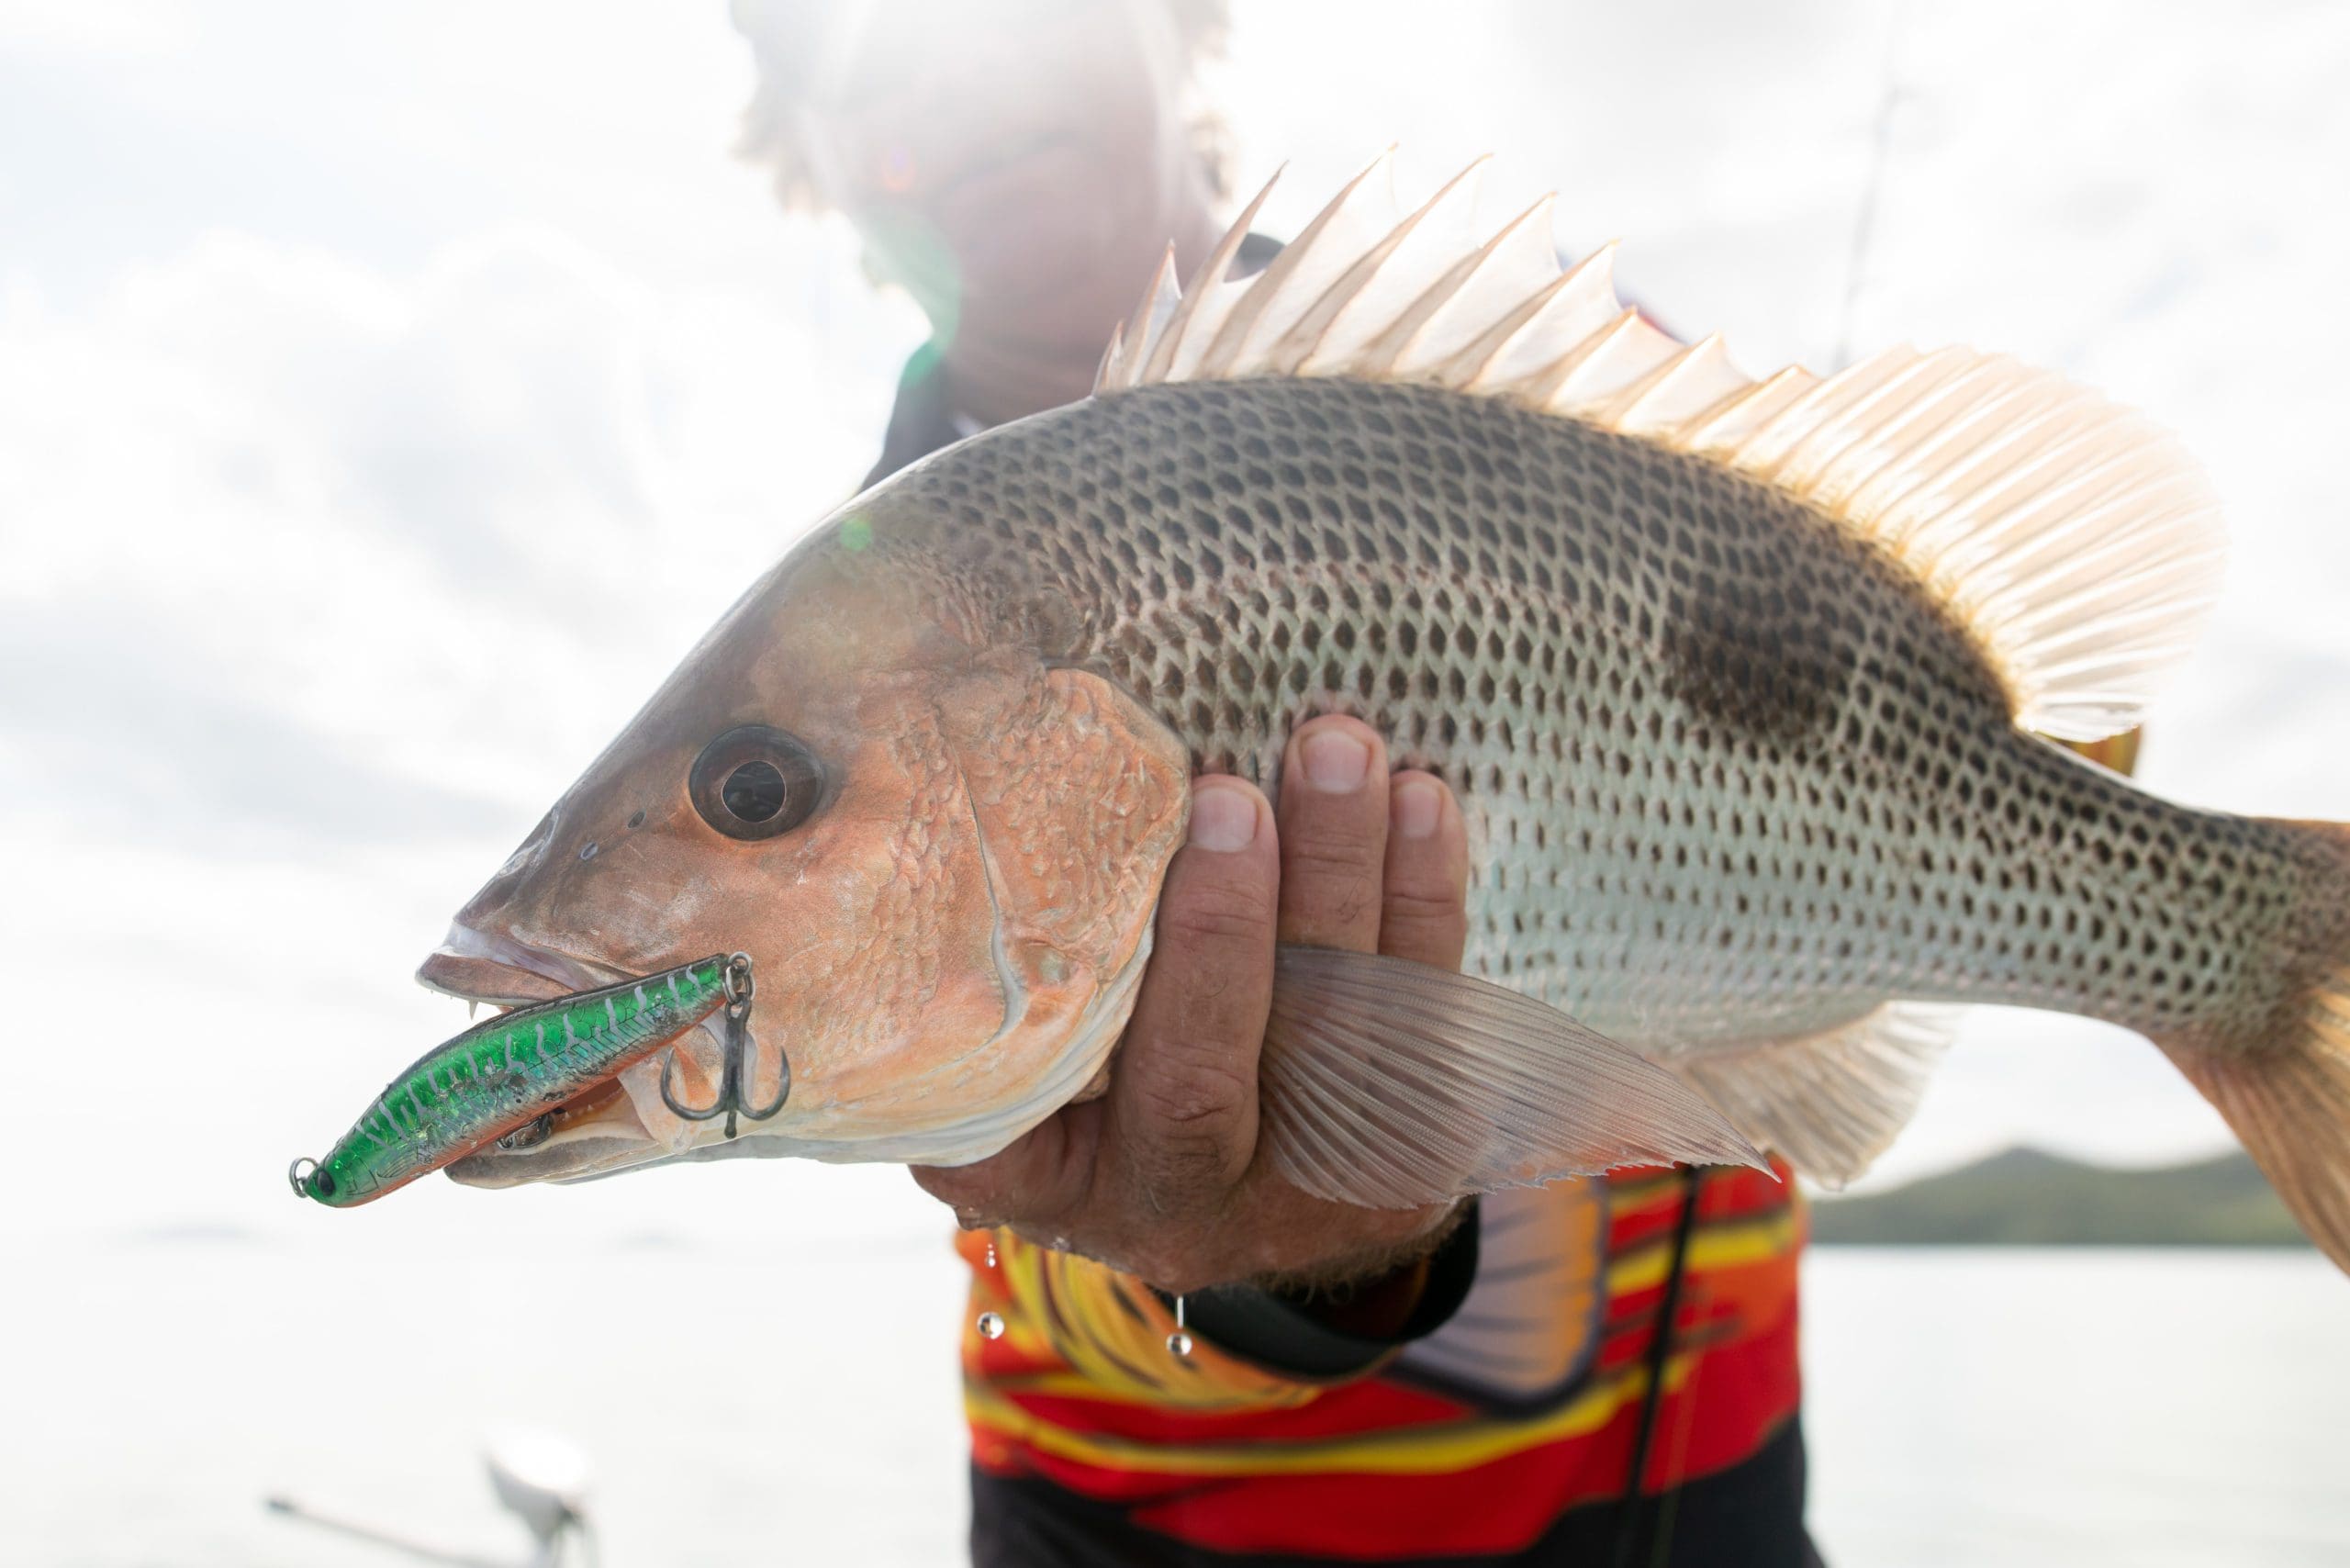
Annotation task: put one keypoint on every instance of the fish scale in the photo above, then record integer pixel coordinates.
(1732, 775)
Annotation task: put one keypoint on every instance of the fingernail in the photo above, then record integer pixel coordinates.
(1419, 807)
(1224, 818)
(1336, 761)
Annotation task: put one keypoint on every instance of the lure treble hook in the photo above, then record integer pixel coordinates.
(733, 1074)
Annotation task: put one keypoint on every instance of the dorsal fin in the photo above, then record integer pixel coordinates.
(2076, 540)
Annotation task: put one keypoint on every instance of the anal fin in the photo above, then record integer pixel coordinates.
(1829, 1103)
(1390, 1084)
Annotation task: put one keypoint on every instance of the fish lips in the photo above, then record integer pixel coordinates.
(588, 1153)
(475, 966)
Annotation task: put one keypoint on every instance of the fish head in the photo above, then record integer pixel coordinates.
(940, 845)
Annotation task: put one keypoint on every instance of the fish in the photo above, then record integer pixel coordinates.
(507, 1078)
(1750, 689)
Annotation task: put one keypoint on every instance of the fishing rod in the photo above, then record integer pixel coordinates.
(536, 1476)
(1864, 219)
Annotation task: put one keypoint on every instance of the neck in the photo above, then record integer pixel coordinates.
(997, 377)
(1003, 367)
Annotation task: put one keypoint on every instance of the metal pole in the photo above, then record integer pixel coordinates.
(294, 1510)
(1864, 220)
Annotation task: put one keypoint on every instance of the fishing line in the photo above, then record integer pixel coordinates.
(1865, 221)
(1630, 1514)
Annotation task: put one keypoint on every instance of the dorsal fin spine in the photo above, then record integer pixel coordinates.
(1105, 377)
(1222, 351)
(1626, 407)
(1544, 389)
(1469, 367)
(1395, 345)
(1403, 344)
(1702, 434)
(1160, 364)
(1312, 326)
(1157, 305)
(1582, 303)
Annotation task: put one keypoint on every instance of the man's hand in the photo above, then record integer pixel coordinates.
(1161, 1177)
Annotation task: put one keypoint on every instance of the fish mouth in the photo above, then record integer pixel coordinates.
(607, 1127)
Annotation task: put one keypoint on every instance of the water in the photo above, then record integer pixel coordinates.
(2055, 1406)
(800, 1406)
(788, 1401)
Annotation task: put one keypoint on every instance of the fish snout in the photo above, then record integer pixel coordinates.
(482, 910)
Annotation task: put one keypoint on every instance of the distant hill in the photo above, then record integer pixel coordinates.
(2025, 1197)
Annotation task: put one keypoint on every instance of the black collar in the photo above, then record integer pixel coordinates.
(920, 420)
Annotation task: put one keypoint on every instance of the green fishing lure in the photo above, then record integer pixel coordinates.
(501, 1079)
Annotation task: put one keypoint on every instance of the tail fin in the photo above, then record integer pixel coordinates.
(2288, 1098)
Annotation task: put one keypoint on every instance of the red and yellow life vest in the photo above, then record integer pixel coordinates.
(1422, 1457)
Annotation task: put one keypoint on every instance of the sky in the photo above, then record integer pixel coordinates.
(389, 396)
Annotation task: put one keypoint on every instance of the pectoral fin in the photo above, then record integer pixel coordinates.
(1390, 1084)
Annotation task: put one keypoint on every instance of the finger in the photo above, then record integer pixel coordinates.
(1041, 1178)
(1424, 894)
(1183, 1096)
(1333, 834)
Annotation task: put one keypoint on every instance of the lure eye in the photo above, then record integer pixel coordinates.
(755, 782)
(323, 1179)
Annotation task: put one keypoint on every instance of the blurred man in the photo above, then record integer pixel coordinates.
(1594, 1372)
(1017, 167)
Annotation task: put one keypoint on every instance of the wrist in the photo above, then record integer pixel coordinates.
(1328, 1329)
(1375, 1267)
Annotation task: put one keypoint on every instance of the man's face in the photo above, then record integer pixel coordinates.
(1019, 157)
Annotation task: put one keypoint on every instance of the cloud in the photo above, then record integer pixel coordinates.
(361, 554)
(377, 427)
(142, 744)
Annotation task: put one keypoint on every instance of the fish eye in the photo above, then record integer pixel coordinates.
(755, 782)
